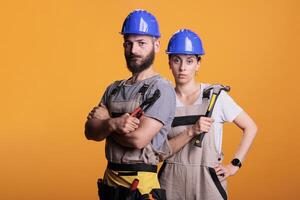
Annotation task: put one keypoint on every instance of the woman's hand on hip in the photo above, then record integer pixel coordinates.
(224, 172)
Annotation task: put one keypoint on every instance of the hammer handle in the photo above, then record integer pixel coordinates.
(214, 97)
(199, 139)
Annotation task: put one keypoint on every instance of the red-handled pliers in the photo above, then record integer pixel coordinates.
(146, 104)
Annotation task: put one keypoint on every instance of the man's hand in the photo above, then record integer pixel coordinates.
(202, 125)
(96, 126)
(141, 136)
(98, 112)
(99, 124)
(225, 171)
(121, 125)
(124, 124)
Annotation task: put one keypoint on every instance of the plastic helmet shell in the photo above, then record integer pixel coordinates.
(185, 41)
(141, 22)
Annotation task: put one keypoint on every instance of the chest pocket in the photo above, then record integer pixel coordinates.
(119, 107)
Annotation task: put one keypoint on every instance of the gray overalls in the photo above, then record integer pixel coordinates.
(189, 174)
(127, 164)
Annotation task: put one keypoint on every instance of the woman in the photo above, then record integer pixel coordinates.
(196, 171)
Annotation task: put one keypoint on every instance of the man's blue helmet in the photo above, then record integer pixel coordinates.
(185, 41)
(140, 22)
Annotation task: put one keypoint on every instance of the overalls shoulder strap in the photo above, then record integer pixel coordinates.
(192, 119)
(117, 89)
(142, 90)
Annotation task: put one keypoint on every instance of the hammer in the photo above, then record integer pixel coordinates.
(216, 92)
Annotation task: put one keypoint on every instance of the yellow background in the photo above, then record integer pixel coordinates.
(57, 57)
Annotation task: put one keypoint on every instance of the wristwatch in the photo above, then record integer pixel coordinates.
(236, 162)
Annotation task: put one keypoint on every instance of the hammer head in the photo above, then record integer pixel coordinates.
(218, 88)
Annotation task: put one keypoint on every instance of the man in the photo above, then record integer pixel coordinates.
(134, 145)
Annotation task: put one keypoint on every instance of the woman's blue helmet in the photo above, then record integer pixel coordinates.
(140, 22)
(185, 41)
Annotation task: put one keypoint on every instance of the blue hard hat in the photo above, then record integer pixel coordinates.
(185, 41)
(140, 22)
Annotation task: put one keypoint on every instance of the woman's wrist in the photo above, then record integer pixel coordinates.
(190, 132)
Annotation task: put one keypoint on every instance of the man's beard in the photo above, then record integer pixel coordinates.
(145, 63)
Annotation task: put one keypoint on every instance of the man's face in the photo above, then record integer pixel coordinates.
(139, 52)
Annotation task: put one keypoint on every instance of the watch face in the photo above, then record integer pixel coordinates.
(236, 162)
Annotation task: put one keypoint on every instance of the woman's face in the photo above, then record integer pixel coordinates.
(183, 67)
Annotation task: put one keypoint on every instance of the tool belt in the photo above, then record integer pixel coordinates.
(107, 192)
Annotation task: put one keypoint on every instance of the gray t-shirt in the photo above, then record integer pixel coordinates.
(162, 110)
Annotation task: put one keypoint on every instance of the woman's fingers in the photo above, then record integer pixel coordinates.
(203, 124)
